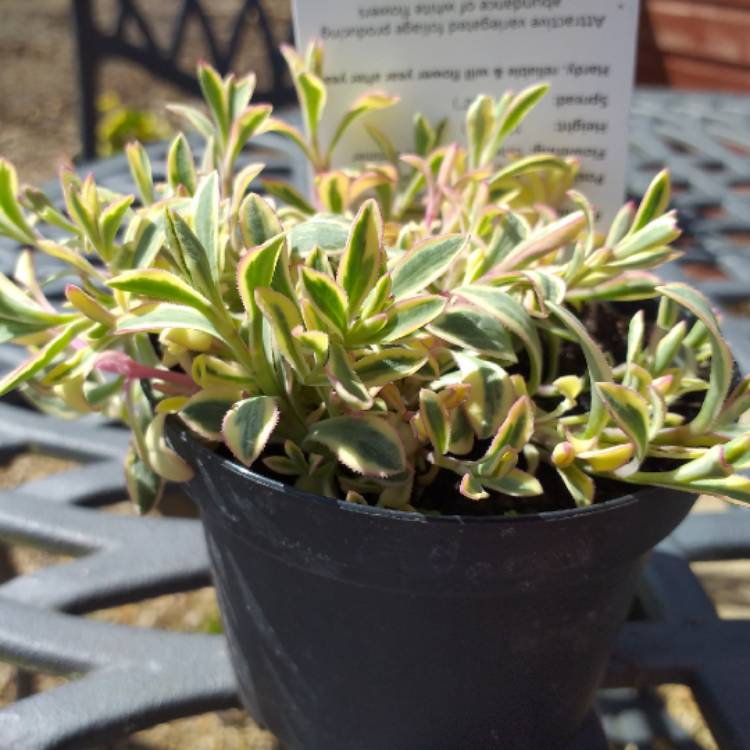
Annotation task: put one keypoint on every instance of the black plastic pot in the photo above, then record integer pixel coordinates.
(353, 628)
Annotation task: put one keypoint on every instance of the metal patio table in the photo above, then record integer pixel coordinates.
(130, 678)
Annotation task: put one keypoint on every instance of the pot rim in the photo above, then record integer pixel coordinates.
(211, 456)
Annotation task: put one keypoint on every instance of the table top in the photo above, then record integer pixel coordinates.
(130, 678)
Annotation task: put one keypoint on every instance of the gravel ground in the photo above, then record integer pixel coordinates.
(38, 85)
(38, 132)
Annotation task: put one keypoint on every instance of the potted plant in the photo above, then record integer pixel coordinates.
(433, 418)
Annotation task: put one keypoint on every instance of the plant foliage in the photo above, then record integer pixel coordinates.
(451, 312)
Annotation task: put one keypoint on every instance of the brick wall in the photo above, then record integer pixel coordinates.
(695, 44)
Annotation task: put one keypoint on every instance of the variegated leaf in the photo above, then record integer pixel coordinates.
(425, 263)
(411, 315)
(248, 425)
(363, 257)
(514, 317)
(345, 380)
(283, 318)
(366, 444)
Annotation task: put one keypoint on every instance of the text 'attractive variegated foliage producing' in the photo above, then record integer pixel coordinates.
(448, 320)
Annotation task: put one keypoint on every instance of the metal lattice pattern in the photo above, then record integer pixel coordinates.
(132, 678)
(133, 38)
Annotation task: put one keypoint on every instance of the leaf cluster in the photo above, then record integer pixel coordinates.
(428, 315)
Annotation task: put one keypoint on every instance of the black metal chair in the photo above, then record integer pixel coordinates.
(133, 39)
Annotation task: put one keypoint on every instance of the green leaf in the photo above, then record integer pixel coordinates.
(425, 263)
(462, 434)
(511, 232)
(595, 359)
(193, 255)
(527, 165)
(9, 205)
(112, 217)
(579, 484)
(368, 102)
(326, 231)
(241, 184)
(215, 95)
(599, 369)
(145, 486)
(345, 380)
(378, 298)
(312, 93)
(435, 420)
(480, 118)
(244, 127)
(511, 113)
(166, 316)
(283, 318)
(180, 165)
(411, 315)
(16, 306)
(161, 285)
(366, 444)
(515, 431)
(195, 117)
(161, 458)
(548, 239)
(333, 189)
(90, 307)
(239, 94)
(258, 221)
(69, 256)
(317, 259)
(42, 358)
(10, 330)
(289, 195)
(256, 269)
(388, 364)
(470, 328)
(629, 410)
(328, 298)
(490, 396)
(628, 286)
(732, 487)
(83, 214)
(668, 347)
(140, 169)
(206, 216)
(472, 488)
(658, 232)
(512, 314)
(654, 202)
(248, 425)
(362, 262)
(149, 242)
(636, 334)
(521, 106)
(205, 411)
(97, 394)
(620, 225)
(720, 378)
(288, 131)
(516, 483)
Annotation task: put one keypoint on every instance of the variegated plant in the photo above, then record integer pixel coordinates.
(415, 328)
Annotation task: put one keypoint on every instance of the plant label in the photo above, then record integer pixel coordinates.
(437, 56)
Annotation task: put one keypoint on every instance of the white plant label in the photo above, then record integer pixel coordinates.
(437, 56)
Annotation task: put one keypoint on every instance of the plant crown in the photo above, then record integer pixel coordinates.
(429, 315)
